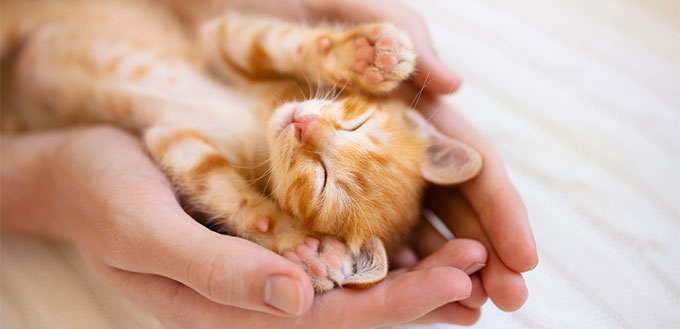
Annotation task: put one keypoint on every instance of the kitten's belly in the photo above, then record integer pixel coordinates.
(236, 125)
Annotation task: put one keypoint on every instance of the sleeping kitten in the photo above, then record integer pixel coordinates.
(328, 182)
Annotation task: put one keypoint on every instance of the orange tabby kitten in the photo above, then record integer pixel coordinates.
(350, 168)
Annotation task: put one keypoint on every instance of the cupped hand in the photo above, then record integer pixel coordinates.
(423, 294)
(487, 209)
(98, 189)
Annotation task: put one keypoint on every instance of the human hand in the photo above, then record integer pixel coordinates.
(487, 209)
(97, 188)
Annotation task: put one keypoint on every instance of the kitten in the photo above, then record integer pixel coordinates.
(329, 182)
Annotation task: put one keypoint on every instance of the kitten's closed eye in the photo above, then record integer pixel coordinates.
(357, 122)
(321, 178)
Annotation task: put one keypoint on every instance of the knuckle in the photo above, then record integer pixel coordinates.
(214, 277)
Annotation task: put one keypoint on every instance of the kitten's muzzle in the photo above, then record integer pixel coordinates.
(305, 127)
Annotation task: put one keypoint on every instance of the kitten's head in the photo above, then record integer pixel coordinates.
(356, 168)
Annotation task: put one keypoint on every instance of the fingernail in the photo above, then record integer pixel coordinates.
(284, 293)
(474, 267)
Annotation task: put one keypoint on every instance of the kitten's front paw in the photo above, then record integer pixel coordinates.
(374, 57)
(326, 261)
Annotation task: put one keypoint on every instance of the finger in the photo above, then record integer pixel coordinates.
(504, 286)
(453, 313)
(403, 257)
(430, 72)
(403, 297)
(491, 194)
(478, 295)
(466, 255)
(466, 315)
(233, 271)
(400, 298)
(178, 306)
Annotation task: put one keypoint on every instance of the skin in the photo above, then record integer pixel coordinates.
(487, 209)
(141, 242)
(97, 188)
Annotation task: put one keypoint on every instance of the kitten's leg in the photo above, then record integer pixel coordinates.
(371, 57)
(212, 186)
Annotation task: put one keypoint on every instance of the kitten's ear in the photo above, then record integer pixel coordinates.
(370, 264)
(448, 161)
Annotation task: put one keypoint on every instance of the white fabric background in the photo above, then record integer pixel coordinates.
(581, 99)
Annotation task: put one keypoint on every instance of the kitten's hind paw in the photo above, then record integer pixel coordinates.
(373, 57)
(329, 263)
(326, 261)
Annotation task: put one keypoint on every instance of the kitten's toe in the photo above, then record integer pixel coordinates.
(338, 261)
(326, 262)
(374, 58)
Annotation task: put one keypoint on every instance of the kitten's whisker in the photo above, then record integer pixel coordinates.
(309, 86)
(280, 101)
(266, 187)
(255, 180)
(318, 82)
(302, 93)
(439, 108)
(249, 166)
(416, 99)
(344, 85)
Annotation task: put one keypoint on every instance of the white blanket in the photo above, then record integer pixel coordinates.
(582, 100)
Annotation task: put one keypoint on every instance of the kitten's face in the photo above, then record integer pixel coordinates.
(350, 168)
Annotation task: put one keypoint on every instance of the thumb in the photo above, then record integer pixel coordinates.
(236, 272)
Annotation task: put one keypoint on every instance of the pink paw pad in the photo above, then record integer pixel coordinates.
(361, 42)
(388, 42)
(262, 224)
(318, 270)
(305, 252)
(312, 243)
(360, 66)
(323, 45)
(366, 54)
(373, 76)
(388, 60)
(333, 260)
(292, 256)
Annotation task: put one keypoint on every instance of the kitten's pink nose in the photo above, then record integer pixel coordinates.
(304, 126)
